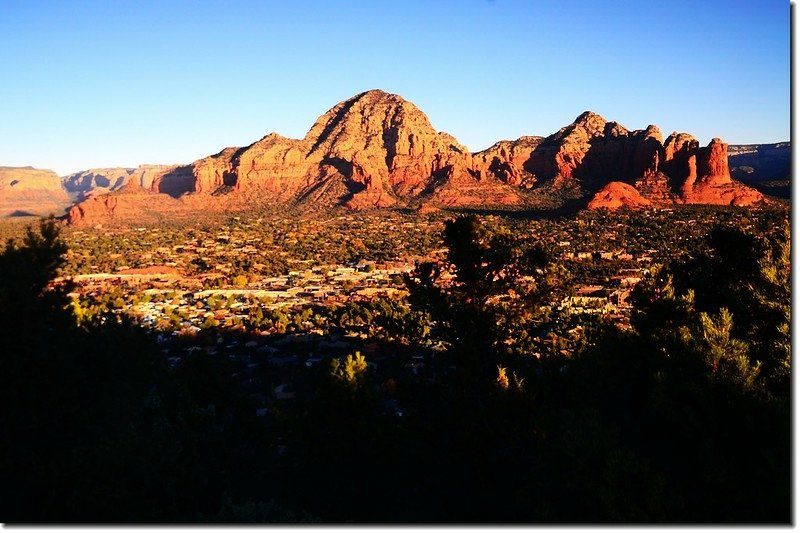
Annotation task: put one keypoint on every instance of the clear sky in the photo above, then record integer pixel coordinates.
(111, 83)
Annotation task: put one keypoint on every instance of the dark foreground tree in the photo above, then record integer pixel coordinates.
(96, 428)
(489, 296)
(83, 434)
(683, 419)
(698, 392)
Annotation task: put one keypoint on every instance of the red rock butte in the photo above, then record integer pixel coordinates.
(377, 149)
(30, 191)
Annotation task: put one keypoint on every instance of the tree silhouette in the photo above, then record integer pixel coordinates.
(95, 427)
(488, 296)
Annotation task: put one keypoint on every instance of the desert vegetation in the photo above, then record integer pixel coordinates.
(625, 367)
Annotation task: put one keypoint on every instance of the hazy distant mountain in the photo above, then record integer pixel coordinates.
(31, 191)
(760, 162)
(767, 167)
(81, 185)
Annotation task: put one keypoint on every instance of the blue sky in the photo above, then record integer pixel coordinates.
(110, 83)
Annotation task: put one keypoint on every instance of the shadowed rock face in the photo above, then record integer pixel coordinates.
(95, 180)
(760, 162)
(378, 150)
(591, 151)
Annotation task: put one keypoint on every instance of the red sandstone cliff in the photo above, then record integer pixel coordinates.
(709, 180)
(130, 202)
(378, 150)
(684, 172)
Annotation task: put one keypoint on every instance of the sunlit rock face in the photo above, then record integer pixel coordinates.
(31, 191)
(130, 202)
(708, 180)
(377, 149)
(617, 194)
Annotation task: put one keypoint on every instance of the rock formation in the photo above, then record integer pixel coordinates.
(703, 175)
(384, 146)
(379, 150)
(31, 191)
(130, 202)
(85, 183)
(506, 160)
(617, 194)
(591, 151)
(679, 170)
(369, 151)
(95, 180)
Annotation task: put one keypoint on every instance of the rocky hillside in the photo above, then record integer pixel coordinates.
(31, 191)
(379, 150)
(373, 150)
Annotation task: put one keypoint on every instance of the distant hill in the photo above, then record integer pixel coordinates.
(760, 162)
(766, 167)
(27, 191)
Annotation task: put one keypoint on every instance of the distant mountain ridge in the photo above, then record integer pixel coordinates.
(760, 162)
(765, 167)
(377, 150)
(85, 183)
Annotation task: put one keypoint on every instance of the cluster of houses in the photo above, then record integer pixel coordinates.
(166, 293)
(611, 299)
(267, 365)
(169, 294)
